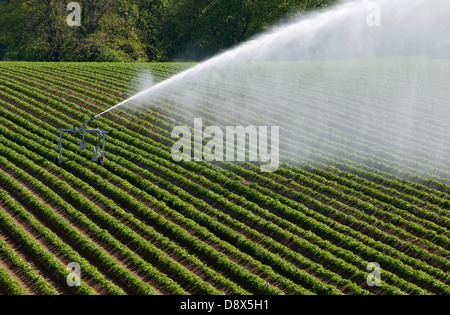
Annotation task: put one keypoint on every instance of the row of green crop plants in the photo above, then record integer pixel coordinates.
(262, 91)
(322, 113)
(309, 97)
(427, 194)
(141, 206)
(64, 227)
(72, 69)
(216, 101)
(27, 242)
(354, 86)
(186, 114)
(319, 154)
(314, 117)
(355, 170)
(124, 87)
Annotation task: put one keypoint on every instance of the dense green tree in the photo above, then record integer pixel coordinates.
(38, 30)
(135, 30)
(195, 29)
(32, 29)
(147, 20)
(109, 32)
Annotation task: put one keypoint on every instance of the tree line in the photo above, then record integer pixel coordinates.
(136, 30)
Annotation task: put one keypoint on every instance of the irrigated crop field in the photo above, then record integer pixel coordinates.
(144, 224)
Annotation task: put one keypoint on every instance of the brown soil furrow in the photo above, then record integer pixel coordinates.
(83, 231)
(100, 206)
(37, 266)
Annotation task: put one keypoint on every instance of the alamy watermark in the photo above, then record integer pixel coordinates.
(74, 278)
(374, 277)
(74, 17)
(235, 143)
(374, 17)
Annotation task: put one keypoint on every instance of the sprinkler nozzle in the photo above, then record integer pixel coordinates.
(89, 120)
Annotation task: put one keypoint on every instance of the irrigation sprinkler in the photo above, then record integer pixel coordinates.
(98, 151)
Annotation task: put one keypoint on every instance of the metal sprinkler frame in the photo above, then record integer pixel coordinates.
(98, 154)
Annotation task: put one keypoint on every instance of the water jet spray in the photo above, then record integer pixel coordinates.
(337, 85)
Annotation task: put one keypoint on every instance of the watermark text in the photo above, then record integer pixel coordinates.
(235, 143)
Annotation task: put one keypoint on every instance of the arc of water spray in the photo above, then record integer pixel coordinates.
(255, 49)
(176, 77)
(257, 44)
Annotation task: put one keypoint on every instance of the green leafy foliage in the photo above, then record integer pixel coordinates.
(134, 30)
(145, 224)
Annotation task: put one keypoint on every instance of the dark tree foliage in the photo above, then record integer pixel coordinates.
(135, 30)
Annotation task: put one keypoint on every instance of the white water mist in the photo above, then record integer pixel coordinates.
(338, 86)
